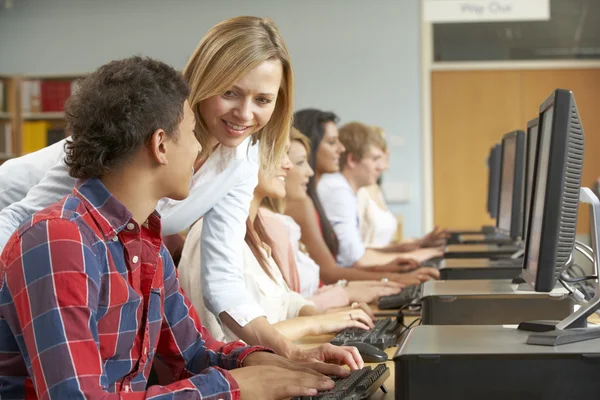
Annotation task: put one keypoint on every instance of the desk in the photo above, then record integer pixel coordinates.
(308, 342)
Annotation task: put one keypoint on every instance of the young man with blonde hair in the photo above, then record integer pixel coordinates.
(360, 165)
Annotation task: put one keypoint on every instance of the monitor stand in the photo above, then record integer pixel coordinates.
(573, 328)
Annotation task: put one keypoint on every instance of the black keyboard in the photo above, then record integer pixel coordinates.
(396, 301)
(360, 384)
(383, 335)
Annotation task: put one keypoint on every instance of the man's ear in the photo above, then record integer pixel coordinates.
(351, 160)
(157, 145)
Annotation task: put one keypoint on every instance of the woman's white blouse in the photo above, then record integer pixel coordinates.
(308, 269)
(274, 297)
(377, 226)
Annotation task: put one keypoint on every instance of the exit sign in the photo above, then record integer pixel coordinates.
(449, 11)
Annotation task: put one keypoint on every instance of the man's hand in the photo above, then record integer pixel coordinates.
(317, 368)
(399, 264)
(328, 353)
(268, 382)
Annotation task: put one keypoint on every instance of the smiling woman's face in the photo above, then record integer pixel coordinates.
(246, 107)
(296, 182)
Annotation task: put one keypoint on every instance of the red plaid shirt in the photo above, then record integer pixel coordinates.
(88, 298)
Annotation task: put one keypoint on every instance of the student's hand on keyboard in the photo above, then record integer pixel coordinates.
(369, 291)
(328, 353)
(274, 383)
(346, 318)
(317, 368)
(436, 238)
(355, 305)
(399, 264)
(416, 277)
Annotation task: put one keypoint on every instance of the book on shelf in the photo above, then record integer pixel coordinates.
(47, 95)
(31, 92)
(54, 94)
(39, 134)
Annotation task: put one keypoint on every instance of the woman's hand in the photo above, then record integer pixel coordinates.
(355, 305)
(345, 318)
(416, 277)
(436, 238)
(370, 291)
(399, 264)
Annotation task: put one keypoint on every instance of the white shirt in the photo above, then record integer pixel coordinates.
(340, 204)
(378, 227)
(221, 191)
(308, 269)
(19, 175)
(276, 300)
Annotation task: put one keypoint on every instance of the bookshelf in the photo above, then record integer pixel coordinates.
(41, 99)
(8, 117)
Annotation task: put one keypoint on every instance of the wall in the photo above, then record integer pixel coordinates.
(358, 58)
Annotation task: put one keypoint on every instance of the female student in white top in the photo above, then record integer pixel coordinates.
(378, 225)
(288, 311)
(241, 92)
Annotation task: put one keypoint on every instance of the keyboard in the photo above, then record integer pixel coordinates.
(360, 384)
(396, 301)
(383, 335)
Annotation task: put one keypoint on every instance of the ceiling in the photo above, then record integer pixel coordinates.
(573, 31)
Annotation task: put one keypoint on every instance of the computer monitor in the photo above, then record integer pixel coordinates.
(512, 176)
(553, 217)
(532, 136)
(494, 165)
(555, 193)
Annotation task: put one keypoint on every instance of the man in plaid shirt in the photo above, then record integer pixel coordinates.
(89, 295)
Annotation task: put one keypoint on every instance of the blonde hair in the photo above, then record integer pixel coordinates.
(278, 205)
(356, 138)
(298, 136)
(381, 132)
(227, 52)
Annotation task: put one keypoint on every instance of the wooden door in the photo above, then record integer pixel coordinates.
(466, 123)
(471, 110)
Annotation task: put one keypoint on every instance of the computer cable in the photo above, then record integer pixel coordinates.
(581, 281)
(575, 293)
(416, 322)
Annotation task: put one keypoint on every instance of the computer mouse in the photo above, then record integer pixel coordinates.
(369, 353)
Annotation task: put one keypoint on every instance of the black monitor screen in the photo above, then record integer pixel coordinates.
(494, 163)
(507, 178)
(539, 193)
(532, 137)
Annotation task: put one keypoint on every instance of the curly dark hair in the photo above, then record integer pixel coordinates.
(115, 110)
(310, 122)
